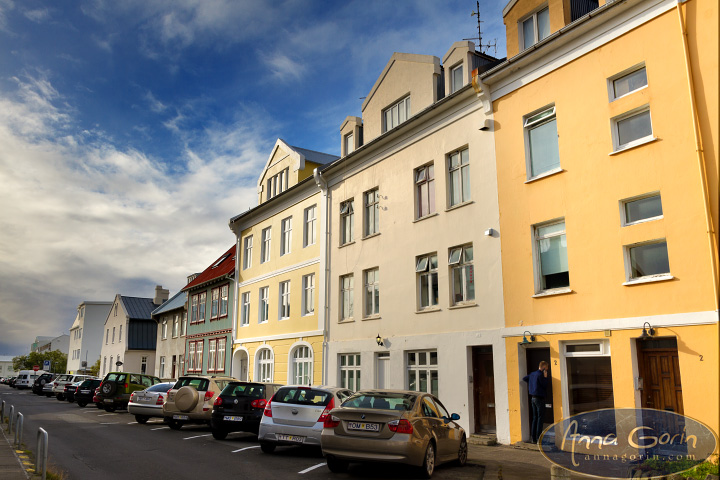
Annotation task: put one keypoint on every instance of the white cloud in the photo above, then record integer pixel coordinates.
(38, 16)
(283, 67)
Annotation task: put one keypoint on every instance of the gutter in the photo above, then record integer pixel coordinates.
(323, 305)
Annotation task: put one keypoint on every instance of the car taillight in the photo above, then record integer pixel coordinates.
(259, 403)
(132, 397)
(400, 426)
(331, 421)
(208, 395)
(268, 409)
(326, 412)
(168, 392)
(218, 401)
(160, 400)
(126, 386)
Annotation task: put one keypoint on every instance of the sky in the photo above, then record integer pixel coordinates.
(132, 131)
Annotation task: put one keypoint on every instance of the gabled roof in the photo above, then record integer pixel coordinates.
(138, 308)
(298, 157)
(177, 301)
(315, 157)
(223, 266)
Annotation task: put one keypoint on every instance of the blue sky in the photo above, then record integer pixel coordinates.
(131, 131)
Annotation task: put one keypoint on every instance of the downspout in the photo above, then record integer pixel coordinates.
(712, 239)
(324, 271)
(235, 302)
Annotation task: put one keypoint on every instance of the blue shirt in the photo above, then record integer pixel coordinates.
(537, 383)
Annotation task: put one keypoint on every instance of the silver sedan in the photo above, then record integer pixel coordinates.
(148, 403)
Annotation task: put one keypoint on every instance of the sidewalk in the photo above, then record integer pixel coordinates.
(10, 466)
(516, 463)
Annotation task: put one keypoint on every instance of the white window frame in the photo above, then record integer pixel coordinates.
(214, 303)
(371, 289)
(264, 304)
(202, 306)
(399, 113)
(457, 261)
(349, 293)
(463, 170)
(623, 210)
(371, 212)
(247, 252)
(614, 125)
(224, 301)
(427, 367)
(245, 309)
(423, 268)
(424, 175)
(266, 244)
(604, 351)
(536, 30)
(211, 355)
(347, 221)
(530, 122)
(220, 366)
(176, 325)
(453, 71)
(264, 364)
(301, 368)
(309, 222)
(352, 364)
(629, 279)
(284, 300)
(612, 96)
(285, 236)
(537, 265)
(308, 296)
(349, 143)
(163, 329)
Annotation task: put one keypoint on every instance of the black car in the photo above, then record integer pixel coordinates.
(37, 387)
(86, 391)
(240, 406)
(69, 391)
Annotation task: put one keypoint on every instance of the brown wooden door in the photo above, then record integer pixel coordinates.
(660, 371)
(484, 389)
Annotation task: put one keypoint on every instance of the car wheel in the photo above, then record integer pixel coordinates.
(219, 434)
(141, 419)
(69, 399)
(48, 395)
(82, 404)
(267, 447)
(60, 396)
(99, 406)
(428, 466)
(174, 424)
(336, 465)
(110, 409)
(462, 453)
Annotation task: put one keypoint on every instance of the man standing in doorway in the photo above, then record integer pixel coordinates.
(537, 386)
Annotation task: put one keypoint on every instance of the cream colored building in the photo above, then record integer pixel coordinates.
(413, 255)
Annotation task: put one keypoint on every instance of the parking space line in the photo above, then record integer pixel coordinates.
(313, 467)
(132, 423)
(246, 448)
(110, 423)
(197, 436)
(159, 428)
(106, 414)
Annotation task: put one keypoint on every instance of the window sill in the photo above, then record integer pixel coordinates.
(346, 244)
(649, 279)
(553, 292)
(372, 317)
(459, 205)
(283, 319)
(636, 143)
(430, 215)
(644, 220)
(428, 310)
(370, 236)
(347, 320)
(462, 305)
(549, 173)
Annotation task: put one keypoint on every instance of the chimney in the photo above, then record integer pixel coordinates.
(161, 295)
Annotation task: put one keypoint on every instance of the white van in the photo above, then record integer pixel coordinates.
(26, 378)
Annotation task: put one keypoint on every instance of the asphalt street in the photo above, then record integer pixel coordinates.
(91, 443)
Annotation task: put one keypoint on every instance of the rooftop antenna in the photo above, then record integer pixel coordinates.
(482, 46)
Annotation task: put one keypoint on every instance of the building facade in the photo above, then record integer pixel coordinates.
(86, 335)
(6, 366)
(171, 318)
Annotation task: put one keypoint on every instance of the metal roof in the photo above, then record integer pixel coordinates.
(138, 308)
(177, 301)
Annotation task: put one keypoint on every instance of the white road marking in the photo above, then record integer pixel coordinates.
(88, 411)
(313, 467)
(246, 448)
(131, 423)
(197, 436)
(111, 423)
(159, 428)
(106, 414)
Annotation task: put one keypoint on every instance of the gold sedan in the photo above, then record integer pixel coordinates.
(400, 426)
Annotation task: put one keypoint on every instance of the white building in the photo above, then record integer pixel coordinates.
(86, 335)
(6, 366)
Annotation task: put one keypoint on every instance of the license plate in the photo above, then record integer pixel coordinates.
(232, 418)
(84, 391)
(290, 438)
(365, 427)
(108, 400)
(180, 417)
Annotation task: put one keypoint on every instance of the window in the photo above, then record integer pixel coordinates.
(265, 247)
(632, 128)
(194, 309)
(278, 183)
(214, 302)
(309, 226)
(211, 355)
(220, 367)
(459, 177)
(104, 365)
(302, 366)
(191, 356)
(372, 292)
(589, 376)
(264, 309)
(456, 78)
(647, 260)
(551, 257)
(245, 308)
(396, 114)
(162, 367)
(247, 252)
(201, 306)
(120, 334)
(422, 369)
(627, 83)
(308, 303)
(541, 143)
(264, 365)
(224, 300)
(535, 28)
(115, 310)
(176, 325)
(427, 278)
(143, 364)
(284, 310)
(349, 143)
(285, 236)
(641, 209)
(183, 325)
(113, 335)
(107, 333)
(347, 217)
(372, 212)
(424, 191)
(164, 329)
(199, 354)
(462, 273)
(350, 371)
(346, 297)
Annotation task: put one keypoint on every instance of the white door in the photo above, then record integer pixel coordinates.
(381, 363)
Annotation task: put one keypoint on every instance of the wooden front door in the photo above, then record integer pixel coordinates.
(660, 373)
(483, 389)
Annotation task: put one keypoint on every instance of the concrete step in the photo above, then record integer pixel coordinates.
(526, 446)
(482, 439)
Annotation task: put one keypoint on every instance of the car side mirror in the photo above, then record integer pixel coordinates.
(453, 418)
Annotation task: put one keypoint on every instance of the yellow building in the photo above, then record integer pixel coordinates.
(278, 335)
(606, 134)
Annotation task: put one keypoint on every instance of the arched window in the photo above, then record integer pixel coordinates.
(301, 367)
(264, 363)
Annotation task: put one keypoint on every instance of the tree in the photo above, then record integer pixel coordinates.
(95, 369)
(58, 361)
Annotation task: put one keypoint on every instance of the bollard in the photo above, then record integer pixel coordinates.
(559, 473)
(12, 415)
(18, 429)
(42, 452)
(2, 413)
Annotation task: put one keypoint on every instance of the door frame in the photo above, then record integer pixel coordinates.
(478, 349)
(525, 411)
(640, 359)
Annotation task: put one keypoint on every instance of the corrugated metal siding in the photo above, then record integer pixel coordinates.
(142, 335)
(579, 8)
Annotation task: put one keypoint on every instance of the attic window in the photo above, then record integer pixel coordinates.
(221, 260)
(456, 78)
(534, 28)
(396, 114)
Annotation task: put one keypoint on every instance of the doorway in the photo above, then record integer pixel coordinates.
(483, 389)
(174, 364)
(533, 357)
(381, 362)
(659, 369)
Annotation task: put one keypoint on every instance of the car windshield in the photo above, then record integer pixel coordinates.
(302, 396)
(86, 383)
(115, 377)
(196, 383)
(381, 401)
(253, 390)
(160, 387)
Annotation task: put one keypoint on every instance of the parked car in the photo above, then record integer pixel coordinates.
(148, 403)
(191, 399)
(240, 406)
(26, 378)
(41, 381)
(86, 391)
(65, 379)
(12, 381)
(393, 426)
(47, 389)
(96, 398)
(295, 415)
(116, 388)
(70, 390)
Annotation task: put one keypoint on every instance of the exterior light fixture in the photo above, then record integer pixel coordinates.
(379, 340)
(647, 333)
(525, 340)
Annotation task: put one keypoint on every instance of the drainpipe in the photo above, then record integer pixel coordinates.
(234, 317)
(712, 239)
(324, 270)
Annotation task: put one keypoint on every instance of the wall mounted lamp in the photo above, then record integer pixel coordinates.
(647, 333)
(379, 340)
(525, 340)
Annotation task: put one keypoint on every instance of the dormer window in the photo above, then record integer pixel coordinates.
(534, 28)
(396, 114)
(456, 78)
(277, 183)
(349, 143)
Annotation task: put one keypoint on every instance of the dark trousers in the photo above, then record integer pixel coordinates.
(538, 409)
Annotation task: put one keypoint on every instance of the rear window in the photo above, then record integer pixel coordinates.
(116, 377)
(302, 396)
(64, 378)
(196, 383)
(252, 390)
(381, 401)
(160, 387)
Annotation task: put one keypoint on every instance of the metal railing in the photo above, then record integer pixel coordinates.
(41, 457)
